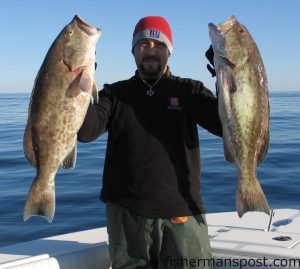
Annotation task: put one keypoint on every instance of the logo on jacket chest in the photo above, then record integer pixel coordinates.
(174, 104)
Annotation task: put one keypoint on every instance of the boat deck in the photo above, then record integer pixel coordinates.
(254, 241)
(249, 242)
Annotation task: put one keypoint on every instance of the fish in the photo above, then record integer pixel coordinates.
(244, 109)
(63, 88)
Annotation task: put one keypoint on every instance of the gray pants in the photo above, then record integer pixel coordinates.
(138, 242)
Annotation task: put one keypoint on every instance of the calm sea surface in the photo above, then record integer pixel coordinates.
(77, 191)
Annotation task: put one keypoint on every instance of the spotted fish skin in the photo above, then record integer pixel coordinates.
(243, 108)
(62, 91)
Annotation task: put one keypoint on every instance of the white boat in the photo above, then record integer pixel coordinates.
(254, 241)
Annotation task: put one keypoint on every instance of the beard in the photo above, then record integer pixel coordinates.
(151, 67)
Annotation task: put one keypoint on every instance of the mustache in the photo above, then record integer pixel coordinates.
(150, 58)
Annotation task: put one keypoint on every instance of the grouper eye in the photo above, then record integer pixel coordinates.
(70, 32)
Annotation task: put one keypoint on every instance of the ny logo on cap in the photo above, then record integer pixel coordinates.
(154, 33)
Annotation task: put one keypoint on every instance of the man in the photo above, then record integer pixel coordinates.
(152, 167)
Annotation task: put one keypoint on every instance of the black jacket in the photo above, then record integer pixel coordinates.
(152, 163)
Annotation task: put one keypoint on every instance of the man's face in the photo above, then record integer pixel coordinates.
(151, 57)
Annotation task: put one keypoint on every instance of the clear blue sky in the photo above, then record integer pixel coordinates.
(28, 27)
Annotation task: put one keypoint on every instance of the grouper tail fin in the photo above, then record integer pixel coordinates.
(251, 198)
(40, 201)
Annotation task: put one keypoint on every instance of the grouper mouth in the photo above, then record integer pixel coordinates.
(218, 32)
(84, 26)
(217, 39)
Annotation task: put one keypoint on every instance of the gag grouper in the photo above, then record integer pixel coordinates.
(61, 94)
(243, 108)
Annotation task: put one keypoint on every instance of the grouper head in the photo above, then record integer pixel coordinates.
(225, 43)
(79, 42)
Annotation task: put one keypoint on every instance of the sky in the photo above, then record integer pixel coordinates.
(28, 28)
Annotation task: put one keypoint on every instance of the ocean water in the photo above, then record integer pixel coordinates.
(77, 191)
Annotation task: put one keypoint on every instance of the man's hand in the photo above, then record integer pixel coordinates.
(209, 54)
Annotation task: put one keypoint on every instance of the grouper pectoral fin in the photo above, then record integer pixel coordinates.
(83, 82)
(229, 79)
(86, 81)
(226, 77)
(28, 145)
(74, 88)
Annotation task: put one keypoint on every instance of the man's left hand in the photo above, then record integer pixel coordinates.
(209, 54)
